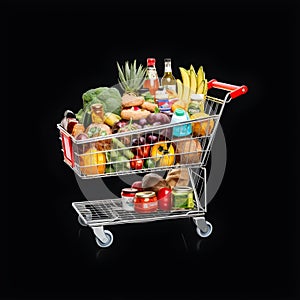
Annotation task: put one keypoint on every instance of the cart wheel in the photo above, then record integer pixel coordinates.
(207, 233)
(110, 238)
(80, 221)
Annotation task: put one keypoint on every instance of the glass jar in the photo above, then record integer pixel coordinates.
(196, 104)
(97, 113)
(128, 195)
(182, 197)
(145, 202)
(162, 100)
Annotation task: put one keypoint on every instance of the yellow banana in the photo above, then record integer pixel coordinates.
(193, 82)
(179, 88)
(200, 76)
(192, 68)
(200, 87)
(205, 88)
(185, 84)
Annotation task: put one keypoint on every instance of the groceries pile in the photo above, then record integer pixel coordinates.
(108, 111)
(155, 193)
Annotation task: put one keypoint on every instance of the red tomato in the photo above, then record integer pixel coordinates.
(164, 197)
(136, 162)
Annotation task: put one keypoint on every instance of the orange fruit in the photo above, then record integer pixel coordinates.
(202, 128)
(178, 104)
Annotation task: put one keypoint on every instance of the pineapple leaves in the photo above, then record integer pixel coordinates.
(131, 78)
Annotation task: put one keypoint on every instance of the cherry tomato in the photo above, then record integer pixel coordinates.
(136, 162)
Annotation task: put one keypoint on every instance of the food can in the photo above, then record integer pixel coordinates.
(145, 202)
(128, 195)
(182, 197)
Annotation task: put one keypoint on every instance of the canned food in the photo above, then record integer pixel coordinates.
(182, 197)
(128, 195)
(145, 202)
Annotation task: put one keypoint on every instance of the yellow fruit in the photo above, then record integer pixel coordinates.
(185, 84)
(205, 88)
(200, 87)
(179, 88)
(92, 162)
(178, 104)
(200, 76)
(193, 82)
(202, 128)
(192, 68)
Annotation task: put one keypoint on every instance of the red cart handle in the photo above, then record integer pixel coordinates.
(235, 90)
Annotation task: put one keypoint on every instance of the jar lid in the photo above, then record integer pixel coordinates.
(182, 189)
(197, 97)
(145, 194)
(96, 105)
(130, 190)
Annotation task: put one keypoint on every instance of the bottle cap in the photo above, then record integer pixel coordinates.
(197, 97)
(167, 59)
(179, 112)
(151, 61)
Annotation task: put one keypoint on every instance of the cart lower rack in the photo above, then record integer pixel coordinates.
(166, 152)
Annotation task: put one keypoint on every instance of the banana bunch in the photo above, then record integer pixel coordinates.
(191, 82)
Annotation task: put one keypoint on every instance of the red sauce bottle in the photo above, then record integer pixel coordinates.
(152, 81)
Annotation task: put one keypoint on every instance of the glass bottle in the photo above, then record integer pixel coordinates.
(168, 81)
(151, 82)
(97, 113)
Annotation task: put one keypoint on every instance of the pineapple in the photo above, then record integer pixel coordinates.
(131, 78)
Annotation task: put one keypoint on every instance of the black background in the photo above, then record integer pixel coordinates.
(58, 50)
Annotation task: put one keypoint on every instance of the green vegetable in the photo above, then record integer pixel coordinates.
(121, 163)
(110, 98)
(118, 144)
(109, 169)
(148, 97)
(149, 163)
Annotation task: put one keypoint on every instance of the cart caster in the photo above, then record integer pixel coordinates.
(86, 213)
(205, 232)
(104, 238)
(81, 221)
(204, 228)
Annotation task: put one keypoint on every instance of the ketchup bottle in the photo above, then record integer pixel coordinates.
(152, 80)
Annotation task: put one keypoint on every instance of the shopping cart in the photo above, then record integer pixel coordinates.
(101, 213)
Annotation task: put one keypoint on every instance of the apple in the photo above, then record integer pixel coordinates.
(164, 197)
(137, 185)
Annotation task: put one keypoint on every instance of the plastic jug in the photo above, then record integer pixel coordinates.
(180, 115)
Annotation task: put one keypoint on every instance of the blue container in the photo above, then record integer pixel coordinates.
(180, 115)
